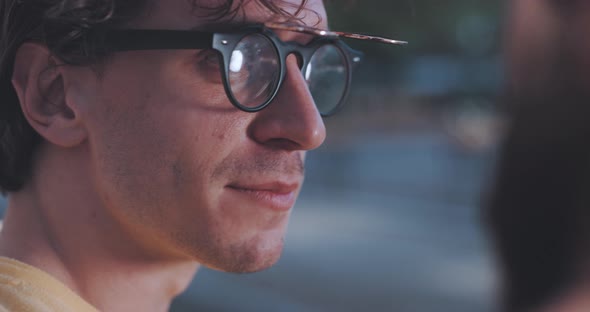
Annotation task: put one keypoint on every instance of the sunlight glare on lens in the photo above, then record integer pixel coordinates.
(308, 71)
(237, 61)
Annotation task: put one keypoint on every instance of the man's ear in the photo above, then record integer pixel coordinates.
(38, 79)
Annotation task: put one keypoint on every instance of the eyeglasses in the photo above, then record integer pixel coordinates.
(253, 59)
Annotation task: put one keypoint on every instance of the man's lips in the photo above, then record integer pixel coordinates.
(273, 187)
(277, 195)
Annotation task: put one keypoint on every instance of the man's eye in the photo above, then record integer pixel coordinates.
(208, 63)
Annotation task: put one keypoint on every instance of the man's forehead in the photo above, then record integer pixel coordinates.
(191, 14)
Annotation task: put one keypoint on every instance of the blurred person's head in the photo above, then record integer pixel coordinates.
(539, 209)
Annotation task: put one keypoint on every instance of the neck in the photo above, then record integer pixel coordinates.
(56, 223)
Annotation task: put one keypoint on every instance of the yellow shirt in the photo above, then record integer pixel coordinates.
(24, 288)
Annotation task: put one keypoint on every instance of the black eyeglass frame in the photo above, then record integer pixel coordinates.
(225, 43)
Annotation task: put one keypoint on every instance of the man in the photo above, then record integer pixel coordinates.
(539, 209)
(140, 140)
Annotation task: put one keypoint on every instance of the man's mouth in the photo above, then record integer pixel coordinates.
(276, 195)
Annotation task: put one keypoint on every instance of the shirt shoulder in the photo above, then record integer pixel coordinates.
(26, 288)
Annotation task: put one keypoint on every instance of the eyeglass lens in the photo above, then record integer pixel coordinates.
(254, 70)
(326, 76)
(254, 73)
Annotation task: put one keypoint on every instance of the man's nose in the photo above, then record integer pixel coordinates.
(292, 121)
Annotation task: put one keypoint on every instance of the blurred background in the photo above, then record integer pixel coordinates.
(388, 219)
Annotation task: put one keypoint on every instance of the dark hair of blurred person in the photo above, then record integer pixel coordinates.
(539, 206)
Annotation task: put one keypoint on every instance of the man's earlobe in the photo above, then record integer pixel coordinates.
(38, 79)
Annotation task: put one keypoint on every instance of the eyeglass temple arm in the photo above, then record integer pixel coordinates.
(330, 33)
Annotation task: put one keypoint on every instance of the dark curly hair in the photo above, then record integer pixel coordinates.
(64, 26)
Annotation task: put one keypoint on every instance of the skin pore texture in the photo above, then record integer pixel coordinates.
(147, 171)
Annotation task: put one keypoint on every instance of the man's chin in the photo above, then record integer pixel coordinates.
(249, 261)
(253, 268)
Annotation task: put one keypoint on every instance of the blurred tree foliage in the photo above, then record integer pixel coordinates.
(455, 30)
(429, 25)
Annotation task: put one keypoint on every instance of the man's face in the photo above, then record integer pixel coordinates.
(184, 172)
